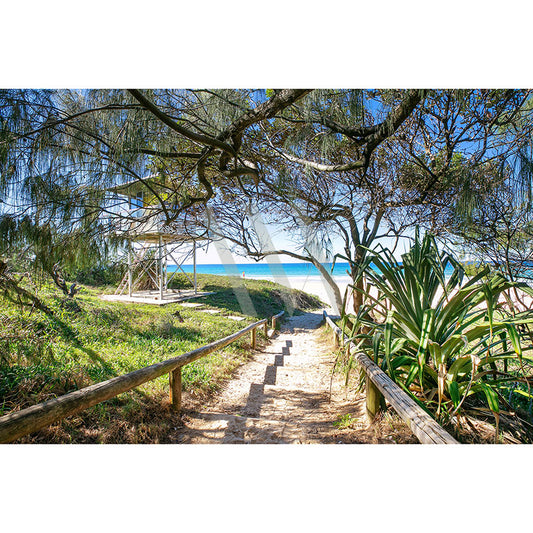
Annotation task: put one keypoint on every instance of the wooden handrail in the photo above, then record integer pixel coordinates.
(31, 419)
(275, 318)
(425, 428)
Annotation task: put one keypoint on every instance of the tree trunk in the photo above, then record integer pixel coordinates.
(331, 282)
(358, 297)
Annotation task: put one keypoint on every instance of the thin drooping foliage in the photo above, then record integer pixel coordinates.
(61, 151)
(442, 337)
(499, 231)
(327, 165)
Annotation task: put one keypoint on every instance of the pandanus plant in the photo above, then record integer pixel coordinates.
(437, 334)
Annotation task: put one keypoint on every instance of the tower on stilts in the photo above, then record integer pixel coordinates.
(156, 248)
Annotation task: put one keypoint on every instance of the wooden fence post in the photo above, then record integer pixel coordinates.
(274, 323)
(175, 389)
(265, 326)
(254, 338)
(374, 399)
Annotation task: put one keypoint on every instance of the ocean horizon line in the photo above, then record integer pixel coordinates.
(268, 271)
(262, 270)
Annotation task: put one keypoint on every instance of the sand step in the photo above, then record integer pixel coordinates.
(234, 429)
(292, 378)
(289, 361)
(278, 402)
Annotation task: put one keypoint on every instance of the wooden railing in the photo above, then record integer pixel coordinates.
(274, 320)
(378, 383)
(20, 423)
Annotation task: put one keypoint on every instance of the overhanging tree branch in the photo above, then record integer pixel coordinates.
(193, 136)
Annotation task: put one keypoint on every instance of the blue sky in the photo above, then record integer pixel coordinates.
(282, 242)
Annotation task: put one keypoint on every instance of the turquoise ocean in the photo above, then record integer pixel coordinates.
(267, 271)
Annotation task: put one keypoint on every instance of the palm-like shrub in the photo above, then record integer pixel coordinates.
(442, 338)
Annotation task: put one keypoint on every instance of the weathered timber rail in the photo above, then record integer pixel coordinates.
(275, 318)
(378, 383)
(26, 421)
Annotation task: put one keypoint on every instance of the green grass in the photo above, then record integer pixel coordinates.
(88, 340)
(268, 298)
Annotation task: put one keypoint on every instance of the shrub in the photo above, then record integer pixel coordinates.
(440, 339)
(98, 275)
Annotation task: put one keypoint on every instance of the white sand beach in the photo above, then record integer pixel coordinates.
(313, 285)
(317, 286)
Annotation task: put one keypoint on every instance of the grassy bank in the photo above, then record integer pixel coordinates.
(87, 340)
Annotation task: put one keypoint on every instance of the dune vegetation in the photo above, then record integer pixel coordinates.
(85, 340)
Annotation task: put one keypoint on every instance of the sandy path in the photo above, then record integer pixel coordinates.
(283, 396)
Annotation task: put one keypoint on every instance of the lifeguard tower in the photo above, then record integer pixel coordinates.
(152, 244)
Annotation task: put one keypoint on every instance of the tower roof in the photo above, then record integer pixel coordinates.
(133, 187)
(145, 221)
